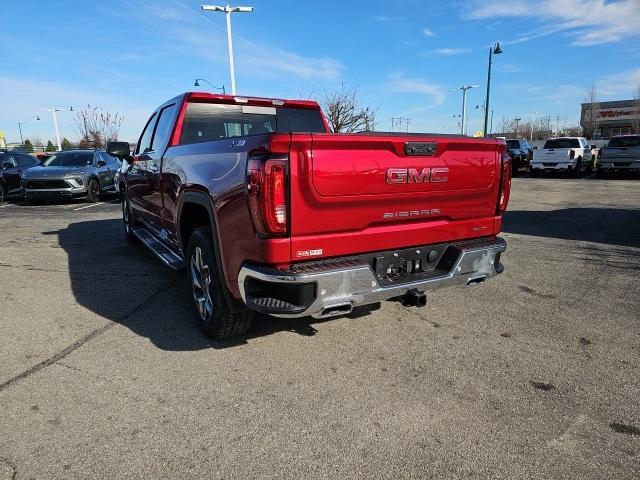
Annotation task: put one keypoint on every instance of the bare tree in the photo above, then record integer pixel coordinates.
(635, 119)
(590, 120)
(96, 127)
(344, 113)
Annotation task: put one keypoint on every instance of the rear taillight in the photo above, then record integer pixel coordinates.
(572, 154)
(505, 185)
(267, 190)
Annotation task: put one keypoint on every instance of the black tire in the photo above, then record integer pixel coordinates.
(213, 314)
(3, 193)
(534, 173)
(127, 221)
(93, 191)
(601, 173)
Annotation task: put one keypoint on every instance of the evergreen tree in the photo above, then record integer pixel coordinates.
(50, 147)
(66, 144)
(28, 146)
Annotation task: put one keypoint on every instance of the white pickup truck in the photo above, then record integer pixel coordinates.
(570, 154)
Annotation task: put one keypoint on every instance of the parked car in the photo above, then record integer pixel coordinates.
(622, 153)
(71, 174)
(521, 153)
(568, 154)
(270, 212)
(12, 165)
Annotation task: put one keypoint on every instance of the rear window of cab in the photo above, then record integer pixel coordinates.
(204, 122)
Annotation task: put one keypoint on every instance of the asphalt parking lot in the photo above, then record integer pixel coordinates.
(535, 374)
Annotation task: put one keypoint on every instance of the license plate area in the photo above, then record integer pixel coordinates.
(408, 265)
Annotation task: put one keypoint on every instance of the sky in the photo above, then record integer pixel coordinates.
(405, 57)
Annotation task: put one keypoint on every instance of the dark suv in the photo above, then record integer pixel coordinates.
(521, 152)
(12, 164)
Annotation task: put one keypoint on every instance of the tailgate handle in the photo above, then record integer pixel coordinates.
(420, 148)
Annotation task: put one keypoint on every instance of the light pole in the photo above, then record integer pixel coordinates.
(517, 120)
(55, 124)
(22, 123)
(464, 89)
(533, 120)
(492, 50)
(198, 80)
(227, 10)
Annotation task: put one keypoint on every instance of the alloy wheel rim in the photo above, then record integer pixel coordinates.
(200, 282)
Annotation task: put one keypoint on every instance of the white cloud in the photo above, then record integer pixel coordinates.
(400, 84)
(623, 84)
(428, 33)
(451, 51)
(589, 22)
(512, 68)
(183, 28)
(387, 18)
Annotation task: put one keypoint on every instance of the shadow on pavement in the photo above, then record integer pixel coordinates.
(610, 226)
(126, 284)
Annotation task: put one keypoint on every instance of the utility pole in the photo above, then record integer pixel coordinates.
(22, 123)
(464, 89)
(517, 120)
(492, 50)
(228, 10)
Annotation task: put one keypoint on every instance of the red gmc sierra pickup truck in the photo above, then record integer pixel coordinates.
(269, 211)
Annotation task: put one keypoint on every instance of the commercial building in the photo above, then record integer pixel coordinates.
(619, 117)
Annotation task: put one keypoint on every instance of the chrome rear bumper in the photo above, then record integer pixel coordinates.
(335, 287)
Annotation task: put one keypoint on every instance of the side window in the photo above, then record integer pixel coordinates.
(163, 127)
(26, 161)
(9, 161)
(144, 145)
(109, 159)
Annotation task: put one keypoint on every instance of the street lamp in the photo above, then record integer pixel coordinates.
(464, 89)
(22, 123)
(533, 121)
(227, 10)
(517, 120)
(198, 80)
(495, 50)
(55, 124)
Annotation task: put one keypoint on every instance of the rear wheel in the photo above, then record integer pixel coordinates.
(93, 191)
(601, 173)
(215, 318)
(3, 193)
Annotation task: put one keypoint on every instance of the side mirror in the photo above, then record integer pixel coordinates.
(120, 150)
(101, 163)
(6, 165)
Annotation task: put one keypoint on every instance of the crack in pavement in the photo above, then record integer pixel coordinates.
(81, 341)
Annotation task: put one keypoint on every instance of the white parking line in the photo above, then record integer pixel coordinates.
(10, 204)
(89, 206)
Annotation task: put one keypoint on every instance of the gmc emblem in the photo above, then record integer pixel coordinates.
(412, 175)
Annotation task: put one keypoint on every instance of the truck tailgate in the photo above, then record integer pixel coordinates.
(359, 193)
